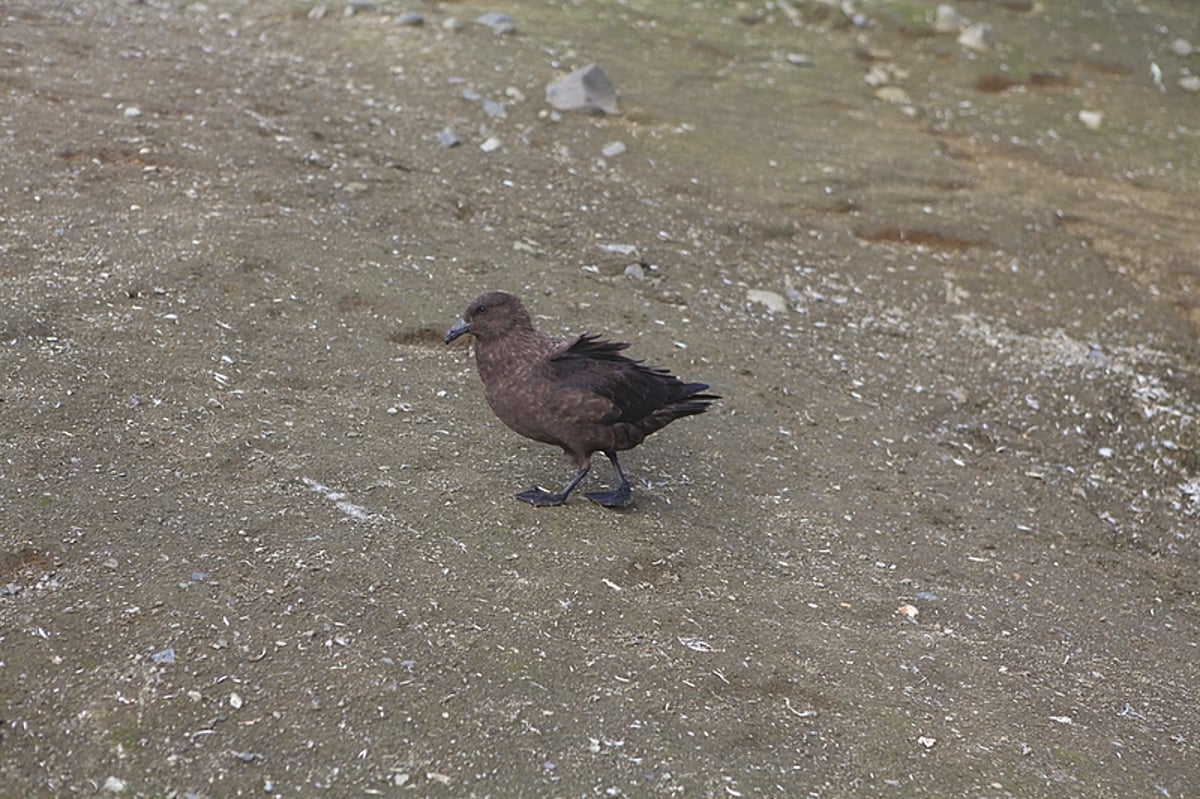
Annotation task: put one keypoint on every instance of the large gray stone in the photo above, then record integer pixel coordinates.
(585, 89)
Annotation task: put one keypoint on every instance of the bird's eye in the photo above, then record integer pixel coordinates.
(481, 309)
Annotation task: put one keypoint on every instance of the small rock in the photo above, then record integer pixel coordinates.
(498, 21)
(774, 302)
(947, 20)
(979, 36)
(800, 59)
(448, 137)
(412, 18)
(246, 757)
(585, 89)
(165, 656)
(492, 144)
(635, 272)
(235, 701)
(1105, 452)
(199, 577)
(494, 109)
(613, 148)
(1182, 48)
(453, 24)
(12, 589)
(893, 94)
(356, 6)
(115, 785)
(318, 11)
(1091, 119)
(1190, 83)
(111, 563)
(133, 112)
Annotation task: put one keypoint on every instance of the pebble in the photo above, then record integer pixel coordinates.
(1182, 48)
(947, 20)
(774, 302)
(613, 148)
(355, 6)
(413, 18)
(448, 137)
(494, 109)
(800, 59)
(1190, 83)
(498, 21)
(1091, 119)
(490, 145)
(115, 785)
(585, 89)
(12, 589)
(133, 112)
(979, 36)
(453, 24)
(635, 272)
(164, 656)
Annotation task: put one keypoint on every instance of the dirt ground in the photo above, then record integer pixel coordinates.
(939, 538)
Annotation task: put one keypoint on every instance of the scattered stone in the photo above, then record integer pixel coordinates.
(111, 563)
(246, 757)
(613, 149)
(448, 137)
(893, 94)
(635, 272)
(199, 577)
(453, 24)
(164, 657)
(947, 20)
(494, 109)
(1091, 119)
(1190, 83)
(586, 89)
(1182, 48)
(12, 589)
(235, 701)
(800, 59)
(318, 11)
(115, 785)
(411, 18)
(979, 36)
(357, 6)
(490, 145)
(133, 112)
(774, 302)
(498, 21)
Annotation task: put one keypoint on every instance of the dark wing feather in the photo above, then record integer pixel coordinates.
(638, 392)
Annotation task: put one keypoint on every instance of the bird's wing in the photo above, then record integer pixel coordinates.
(594, 366)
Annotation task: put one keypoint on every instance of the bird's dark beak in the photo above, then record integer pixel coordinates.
(459, 328)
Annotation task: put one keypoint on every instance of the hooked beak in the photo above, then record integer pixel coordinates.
(459, 328)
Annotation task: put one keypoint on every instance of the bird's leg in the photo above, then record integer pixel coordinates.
(544, 499)
(620, 497)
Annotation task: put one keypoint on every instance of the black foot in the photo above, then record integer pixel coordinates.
(542, 499)
(620, 498)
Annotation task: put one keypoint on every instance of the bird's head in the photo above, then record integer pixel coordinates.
(491, 316)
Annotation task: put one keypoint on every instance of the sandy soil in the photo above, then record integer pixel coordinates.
(258, 530)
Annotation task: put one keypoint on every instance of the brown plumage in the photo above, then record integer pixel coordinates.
(580, 394)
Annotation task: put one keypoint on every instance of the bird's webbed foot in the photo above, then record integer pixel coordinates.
(621, 496)
(541, 498)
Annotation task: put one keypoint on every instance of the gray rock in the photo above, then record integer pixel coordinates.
(498, 21)
(453, 24)
(412, 18)
(494, 109)
(164, 657)
(585, 89)
(448, 137)
(979, 36)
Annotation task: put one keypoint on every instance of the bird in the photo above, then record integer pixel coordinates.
(581, 394)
